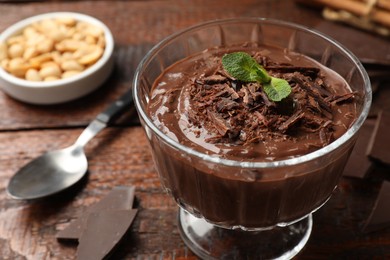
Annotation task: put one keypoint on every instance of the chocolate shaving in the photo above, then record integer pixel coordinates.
(311, 72)
(326, 137)
(236, 112)
(213, 79)
(341, 98)
(313, 104)
(226, 104)
(312, 91)
(319, 86)
(266, 100)
(254, 91)
(247, 98)
(291, 121)
(219, 124)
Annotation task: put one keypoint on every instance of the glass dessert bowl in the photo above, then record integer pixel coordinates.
(242, 206)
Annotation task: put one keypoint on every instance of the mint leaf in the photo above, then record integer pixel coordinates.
(281, 87)
(243, 67)
(277, 89)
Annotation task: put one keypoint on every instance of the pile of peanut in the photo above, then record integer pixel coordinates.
(52, 49)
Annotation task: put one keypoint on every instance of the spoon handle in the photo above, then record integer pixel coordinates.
(116, 108)
(104, 118)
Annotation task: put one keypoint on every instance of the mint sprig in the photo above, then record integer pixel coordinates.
(243, 67)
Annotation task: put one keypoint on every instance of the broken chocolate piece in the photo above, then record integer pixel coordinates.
(379, 148)
(120, 198)
(291, 121)
(307, 71)
(380, 215)
(359, 164)
(341, 98)
(230, 111)
(103, 231)
(311, 89)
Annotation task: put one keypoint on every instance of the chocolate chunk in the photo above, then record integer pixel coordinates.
(103, 231)
(219, 123)
(380, 215)
(231, 111)
(359, 164)
(215, 79)
(120, 198)
(341, 98)
(291, 121)
(312, 90)
(225, 104)
(379, 148)
(307, 71)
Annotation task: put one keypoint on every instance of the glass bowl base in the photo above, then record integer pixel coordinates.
(212, 242)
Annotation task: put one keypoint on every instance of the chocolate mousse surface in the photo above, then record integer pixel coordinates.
(197, 103)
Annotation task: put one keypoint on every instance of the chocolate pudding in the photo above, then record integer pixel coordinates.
(197, 103)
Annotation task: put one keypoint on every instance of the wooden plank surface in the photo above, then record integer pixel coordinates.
(120, 155)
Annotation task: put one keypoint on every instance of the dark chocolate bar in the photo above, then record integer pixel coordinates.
(103, 231)
(380, 215)
(120, 198)
(379, 148)
(359, 164)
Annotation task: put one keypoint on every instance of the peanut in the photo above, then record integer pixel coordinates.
(70, 73)
(51, 78)
(70, 65)
(50, 64)
(30, 32)
(15, 50)
(52, 49)
(4, 63)
(50, 71)
(90, 40)
(45, 46)
(3, 51)
(15, 39)
(91, 57)
(94, 31)
(38, 60)
(68, 21)
(30, 52)
(56, 57)
(18, 67)
(33, 75)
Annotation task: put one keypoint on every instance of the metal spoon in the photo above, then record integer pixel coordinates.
(57, 170)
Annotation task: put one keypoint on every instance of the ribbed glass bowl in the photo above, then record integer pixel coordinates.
(244, 194)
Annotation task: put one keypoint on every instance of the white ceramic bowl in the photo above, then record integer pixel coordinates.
(62, 90)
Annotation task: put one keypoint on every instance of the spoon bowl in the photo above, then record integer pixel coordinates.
(58, 170)
(61, 168)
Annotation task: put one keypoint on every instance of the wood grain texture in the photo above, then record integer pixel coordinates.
(29, 228)
(120, 154)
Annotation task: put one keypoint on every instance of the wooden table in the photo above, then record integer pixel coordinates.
(120, 154)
